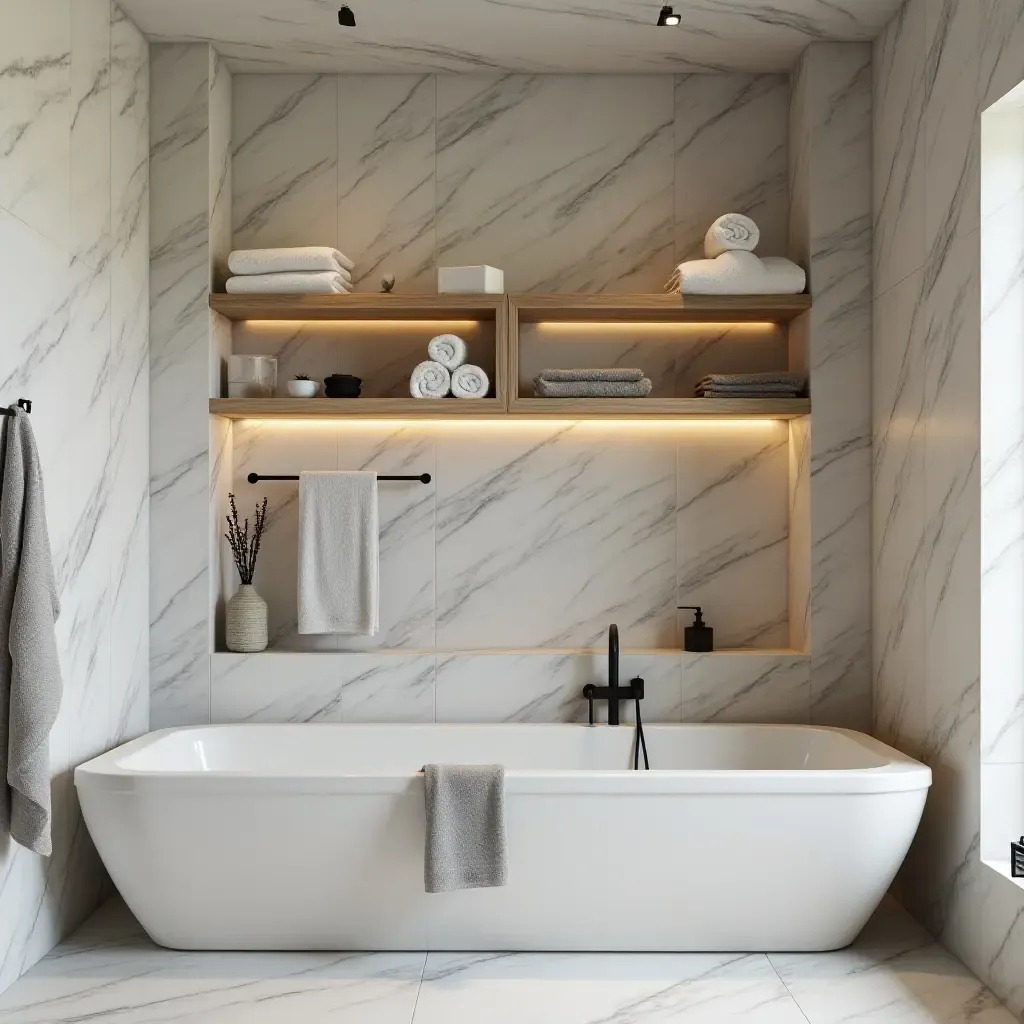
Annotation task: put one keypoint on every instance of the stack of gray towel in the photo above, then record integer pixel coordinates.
(751, 385)
(613, 383)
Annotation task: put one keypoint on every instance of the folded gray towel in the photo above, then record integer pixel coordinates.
(765, 392)
(778, 377)
(30, 682)
(465, 846)
(592, 388)
(613, 374)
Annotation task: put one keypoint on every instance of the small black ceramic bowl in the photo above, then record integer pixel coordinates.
(342, 385)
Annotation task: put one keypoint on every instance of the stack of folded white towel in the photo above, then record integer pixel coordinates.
(751, 385)
(610, 383)
(731, 268)
(446, 372)
(310, 269)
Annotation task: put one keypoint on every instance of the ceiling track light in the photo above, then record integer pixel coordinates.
(346, 18)
(667, 17)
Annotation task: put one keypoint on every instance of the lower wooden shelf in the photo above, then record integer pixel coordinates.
(537, 408)
(661, 408)
(346, 408)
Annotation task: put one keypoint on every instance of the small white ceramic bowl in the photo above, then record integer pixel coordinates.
(303, 388)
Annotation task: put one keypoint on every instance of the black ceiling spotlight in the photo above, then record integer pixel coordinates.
(668, 18)
(346, 18)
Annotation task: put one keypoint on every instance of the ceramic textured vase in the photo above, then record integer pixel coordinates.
(245, 627)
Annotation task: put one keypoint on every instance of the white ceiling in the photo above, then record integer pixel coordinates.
(510, 35)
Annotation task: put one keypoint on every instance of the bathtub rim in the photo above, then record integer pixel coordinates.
(898, 774)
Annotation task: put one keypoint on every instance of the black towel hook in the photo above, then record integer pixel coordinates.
(23, 403)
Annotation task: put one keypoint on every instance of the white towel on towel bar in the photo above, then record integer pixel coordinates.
(324, 282)
(739, 273)
(339, 553)
(282, 261)
(731, 233)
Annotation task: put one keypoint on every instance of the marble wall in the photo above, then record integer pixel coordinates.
(74, 259)
(569, 183)
(939, 64)
(191, 238)
(830, 233)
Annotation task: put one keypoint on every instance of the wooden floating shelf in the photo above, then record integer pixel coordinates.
(364, 408)
(529, 308)
(507, 313)
(359, 306)
(607, 308)
(537, 408)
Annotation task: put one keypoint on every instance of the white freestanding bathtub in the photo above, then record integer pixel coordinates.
(743, 837)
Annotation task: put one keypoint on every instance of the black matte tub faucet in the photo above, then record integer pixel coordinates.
(613, 693)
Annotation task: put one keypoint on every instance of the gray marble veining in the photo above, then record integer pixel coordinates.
(533, 36)
(946, 501)
(74, 206)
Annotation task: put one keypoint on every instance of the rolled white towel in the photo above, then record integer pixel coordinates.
(283, 261)
(740, 273)
(324, 282)
(470, 381)
(430, 380)
(449, 350)
(731, 233)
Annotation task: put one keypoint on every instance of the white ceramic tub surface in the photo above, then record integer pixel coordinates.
(743, 837)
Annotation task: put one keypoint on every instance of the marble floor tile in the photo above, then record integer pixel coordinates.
(574, 988)
(109, 971)
(892, 974)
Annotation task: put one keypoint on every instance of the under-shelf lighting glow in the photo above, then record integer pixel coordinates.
(513, 425)
(363, 325)
(688, 326)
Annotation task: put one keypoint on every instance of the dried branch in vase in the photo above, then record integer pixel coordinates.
(245, 547)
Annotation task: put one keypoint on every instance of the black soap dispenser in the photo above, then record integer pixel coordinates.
(699, 637)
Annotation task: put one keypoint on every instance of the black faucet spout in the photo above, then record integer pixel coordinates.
(613, 672)
(613, 693)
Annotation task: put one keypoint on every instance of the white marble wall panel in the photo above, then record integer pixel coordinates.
(285, 159)
(327, 688)
(746, 686)
(570, 525)
(732, 531)
(547, 686)
(899, 147)
(467, 562)
(738, 125)
(180, 274)
(35, 142)
(406, 172)
(965, 704)
(899, 546)
(386, 178)
(951, 123)
(130, 405)
(74, 255)
(832, 210)
(565, 182)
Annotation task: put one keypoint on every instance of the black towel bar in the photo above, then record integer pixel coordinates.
(255, 478)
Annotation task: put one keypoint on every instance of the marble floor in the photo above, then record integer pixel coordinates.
(110, 971)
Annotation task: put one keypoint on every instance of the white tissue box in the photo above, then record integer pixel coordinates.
(470, 280)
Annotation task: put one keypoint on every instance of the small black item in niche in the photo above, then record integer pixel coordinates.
(1017, 859)
(700, 637)
(346, 18)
